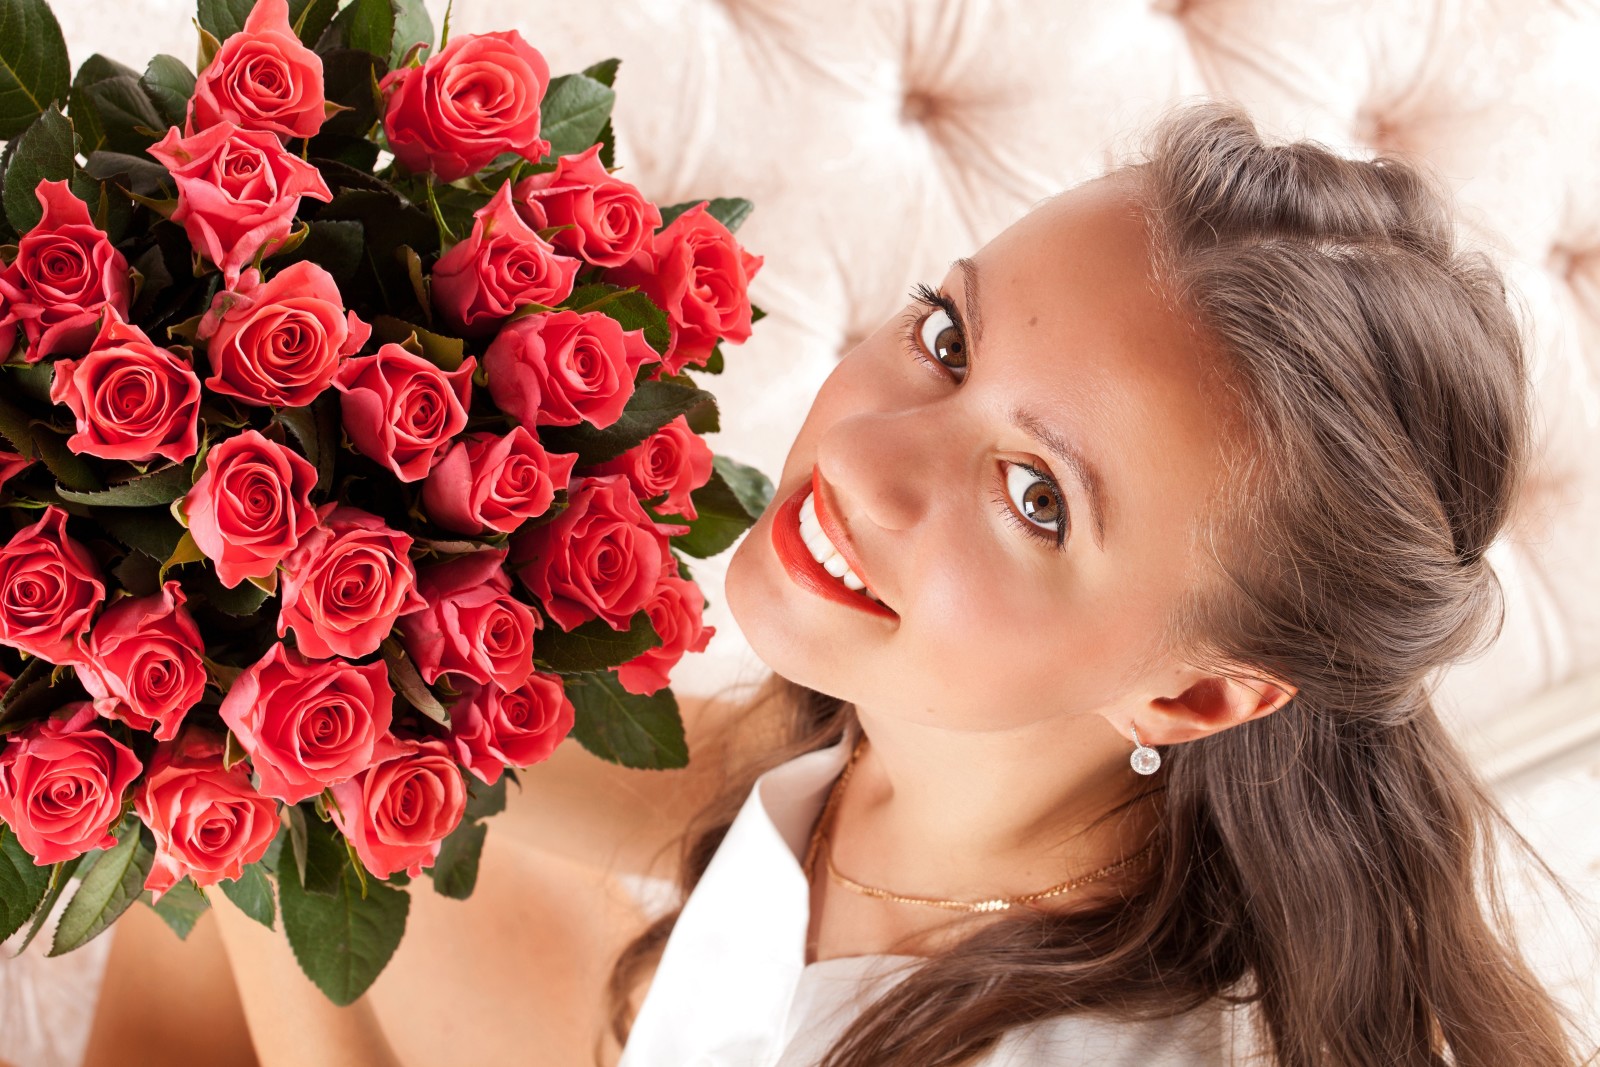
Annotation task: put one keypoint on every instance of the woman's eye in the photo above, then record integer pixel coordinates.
(1035, 495)
(941, 337)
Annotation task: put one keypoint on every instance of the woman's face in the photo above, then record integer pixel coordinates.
(1008, 607)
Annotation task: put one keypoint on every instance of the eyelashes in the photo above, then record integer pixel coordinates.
(926, 300)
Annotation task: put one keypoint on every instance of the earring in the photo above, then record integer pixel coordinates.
(1145, 759)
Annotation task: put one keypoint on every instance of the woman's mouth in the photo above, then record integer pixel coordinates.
(813, 561)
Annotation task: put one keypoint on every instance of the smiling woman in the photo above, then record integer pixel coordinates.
(1290, 414)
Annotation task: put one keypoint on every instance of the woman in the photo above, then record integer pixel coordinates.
(1171, 503)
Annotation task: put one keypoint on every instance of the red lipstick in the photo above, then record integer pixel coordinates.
(796, 557)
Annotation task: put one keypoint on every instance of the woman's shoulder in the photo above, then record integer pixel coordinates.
(1218, 1033)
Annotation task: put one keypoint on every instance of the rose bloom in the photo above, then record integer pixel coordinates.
(501, 266)
(207, 821)
(488, 482)
(474, 100)
(695, 271)
(560, 368)
(65, 276)
(401, 410)
(61, 785)
(610, 219)
(50, 588)
(601, 555)
(473, 626)
(676, 612)
(397, 811)
(673, 461)
(237, 190)
(262, 78)
(132, 400)
(307, 723)
(251, 507)
(279, 343)
(144, 662)
(492, 729)
(346, 583)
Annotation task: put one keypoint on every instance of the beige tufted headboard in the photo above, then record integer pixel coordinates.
(879, 139)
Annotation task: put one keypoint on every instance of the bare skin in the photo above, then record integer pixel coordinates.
(998, 705)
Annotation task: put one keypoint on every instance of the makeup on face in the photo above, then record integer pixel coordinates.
(816, 552)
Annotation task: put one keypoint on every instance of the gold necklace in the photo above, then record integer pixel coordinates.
(819, 834)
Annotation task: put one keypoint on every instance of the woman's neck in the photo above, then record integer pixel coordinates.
(965, 816)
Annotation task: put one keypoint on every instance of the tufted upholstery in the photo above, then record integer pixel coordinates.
(879, 139)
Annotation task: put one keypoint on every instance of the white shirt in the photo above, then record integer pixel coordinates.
(733, 988)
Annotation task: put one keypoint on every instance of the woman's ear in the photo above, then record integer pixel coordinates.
(1207, 703)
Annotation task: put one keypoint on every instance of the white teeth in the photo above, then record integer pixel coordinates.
(823, 552)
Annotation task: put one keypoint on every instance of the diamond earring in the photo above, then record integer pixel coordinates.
(1145, 759)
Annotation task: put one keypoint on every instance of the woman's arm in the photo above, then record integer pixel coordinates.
(291, 1022)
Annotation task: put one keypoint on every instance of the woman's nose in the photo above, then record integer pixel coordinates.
(882, 466)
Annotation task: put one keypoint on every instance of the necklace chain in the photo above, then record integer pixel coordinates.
(820, 834)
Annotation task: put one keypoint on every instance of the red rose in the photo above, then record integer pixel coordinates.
(308, 723)
(401, 410)
(501, 266)
(560, 368)
(238, 191)
(251, 507)
(610, 219)
(279, 343)
(66, 274)
(207, 821)
(473, 626)
(131, 399)
(486, 482)
(61, 785)
(346, 583)
(50, 588)
(697, 273)
(398, 811)
(145, 663)
(474, 100)
(601, 555)
(674, 460)
(262, 78)
(493, 729)
(675, 612)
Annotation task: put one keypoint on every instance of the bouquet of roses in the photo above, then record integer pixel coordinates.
(349, 460)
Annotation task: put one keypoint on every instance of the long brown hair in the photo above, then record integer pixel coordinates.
(1332, 863)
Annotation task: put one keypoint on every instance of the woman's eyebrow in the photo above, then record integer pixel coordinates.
(1053, 441)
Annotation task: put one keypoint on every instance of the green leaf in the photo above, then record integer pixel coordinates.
(442, 351)
(336, 245)
(240, 601)
(310, 17)
(728, 210)
(485, 800)
(727, 505)
(160, 486)
(654, 403)
(45, 150)
(342, 941)
(319, 855)
(644, 732)
(251, 892)
(632, 310)
(180, 907)
(224, 18)
(594, 645)
(107, 890)
(34, 69)
(574, 109)
(69, 468)
(411, 26)
(23, 884)
(367, 26)
(60, 878)
(152, 531)
(169, 84)
(455, 872)
(604, 72)
(109, 106)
